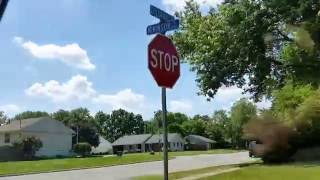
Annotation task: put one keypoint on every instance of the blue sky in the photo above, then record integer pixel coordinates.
(65, 54)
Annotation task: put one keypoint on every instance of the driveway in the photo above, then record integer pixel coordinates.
(124, 172)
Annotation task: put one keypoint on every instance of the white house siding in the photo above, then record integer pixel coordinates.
(53, 143)
(176, 146)
(14, 136)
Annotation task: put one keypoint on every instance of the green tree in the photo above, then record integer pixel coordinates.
(3, 118)
(31, 114)
(121, 123)
(196, 127)
(101, 119)
(217, 128)
(63, 116)
(289, 98)
(256, 45)
(242, 112)
(80, 120)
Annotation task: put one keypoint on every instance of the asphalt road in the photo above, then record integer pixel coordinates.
(125, 172)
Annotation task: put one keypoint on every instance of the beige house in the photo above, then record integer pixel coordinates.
(55, 136)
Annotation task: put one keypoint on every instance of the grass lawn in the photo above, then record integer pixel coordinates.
(182, 174)
(23, 167)
(280, 172)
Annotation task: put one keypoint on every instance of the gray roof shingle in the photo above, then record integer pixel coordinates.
(197, 138)
(42, 124)
(132, 139)
(172, 137)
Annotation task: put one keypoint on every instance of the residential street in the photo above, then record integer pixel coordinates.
(126, 171)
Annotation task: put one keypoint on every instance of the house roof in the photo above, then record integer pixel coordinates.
(172, 137)
(132, 139)
(42, 124)
(196, 138)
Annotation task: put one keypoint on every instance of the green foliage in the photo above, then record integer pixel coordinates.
(286, 100)
(197, 127)
(31, 114)
(255, 45)
(28, 146)
(3, 118)
(121, 123)
(82, 123)
(307, 121)
(242, 112)
(217, 128)
(83, 149)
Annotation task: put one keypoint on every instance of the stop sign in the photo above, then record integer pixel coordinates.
(163, 61)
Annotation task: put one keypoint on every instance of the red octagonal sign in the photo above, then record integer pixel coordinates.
(163, 61)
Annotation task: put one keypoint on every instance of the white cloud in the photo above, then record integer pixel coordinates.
(126, 99)
(180, 106)
(77, 88)
(178, 5)
(70, 54)
(10, 109)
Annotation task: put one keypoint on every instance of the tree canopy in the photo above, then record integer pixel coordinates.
(256, 45)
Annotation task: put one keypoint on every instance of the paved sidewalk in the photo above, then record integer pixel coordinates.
(124, 172)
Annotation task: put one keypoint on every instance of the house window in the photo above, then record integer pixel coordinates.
(6, 138)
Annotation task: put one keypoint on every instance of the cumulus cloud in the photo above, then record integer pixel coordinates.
(178, 5)
(10, 109)
(77, 88)
(125, 99)
(180, 106)
(70, 54)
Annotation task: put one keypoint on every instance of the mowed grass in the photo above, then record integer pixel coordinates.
(280, 172)
(183, 174)
(25, 167)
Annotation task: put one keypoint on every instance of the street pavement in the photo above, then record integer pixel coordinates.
(125, 172)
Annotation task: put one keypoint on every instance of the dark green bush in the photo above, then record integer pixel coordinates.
(28, 146)
(83, 149)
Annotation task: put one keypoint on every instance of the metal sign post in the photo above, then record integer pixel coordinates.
(165, 133)
(164, 65)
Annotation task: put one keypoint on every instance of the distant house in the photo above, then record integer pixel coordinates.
(104, 147)
(155, 143)
(196, 142)
(55, 136)
(132, 143)
(148, 142)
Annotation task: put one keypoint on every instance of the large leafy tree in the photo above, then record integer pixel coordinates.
(217, 128)
(256, 45)
(242, 112)
(82, 123)
(121, 123)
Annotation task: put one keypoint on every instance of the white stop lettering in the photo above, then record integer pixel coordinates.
(163, 60)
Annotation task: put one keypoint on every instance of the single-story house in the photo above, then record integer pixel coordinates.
(55, 136)
(196, 142)
(131, 143)
(155, 143)
(104, 147)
